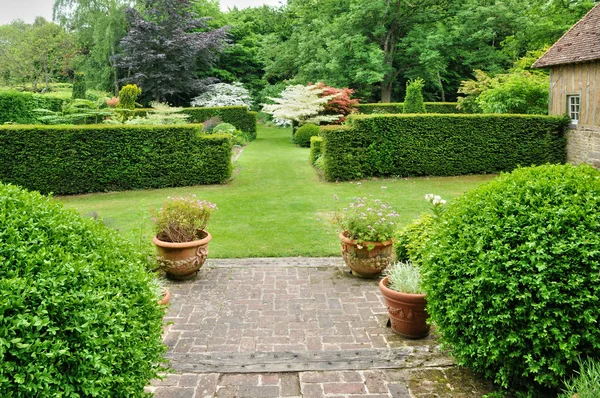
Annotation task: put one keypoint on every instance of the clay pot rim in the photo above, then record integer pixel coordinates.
(349, 241)
(183, 245)
(386, 291)
(166, 298)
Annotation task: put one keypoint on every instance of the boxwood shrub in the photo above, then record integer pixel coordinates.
(398, 107)
(304, 133)
(78, 315)
(315, 149)
(411, 239)
(512, 275)
(97, 158)
(431, 144)
(18, 107)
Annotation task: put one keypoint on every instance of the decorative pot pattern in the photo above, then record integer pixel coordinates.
(182, 261)
(363, 262)
(407, 312)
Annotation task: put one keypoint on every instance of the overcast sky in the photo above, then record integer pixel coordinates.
(27, 10)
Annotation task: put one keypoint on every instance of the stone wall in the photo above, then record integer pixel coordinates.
(583, 145)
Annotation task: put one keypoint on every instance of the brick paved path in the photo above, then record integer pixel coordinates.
(296, 327)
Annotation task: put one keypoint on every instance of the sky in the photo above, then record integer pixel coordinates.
(27, 10)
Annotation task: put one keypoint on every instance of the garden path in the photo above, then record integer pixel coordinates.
(296, 327)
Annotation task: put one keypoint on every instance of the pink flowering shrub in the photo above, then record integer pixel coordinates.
(367, 220)
(182, 219)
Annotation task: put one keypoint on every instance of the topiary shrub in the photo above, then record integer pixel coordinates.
(303, 134)
(128, 95)
(79, 86)
(79, 314)
(512, 274)
(413, 102)
(411, 239)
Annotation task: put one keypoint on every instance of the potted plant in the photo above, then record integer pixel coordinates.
(405, 300)
(367, 226)
(181, 238)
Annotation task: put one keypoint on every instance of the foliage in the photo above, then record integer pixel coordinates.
(413, 102)
(367, 220)
(315, 149)
(112, 102)
(209, 125)
(304, 134)
(161, 114)
(128, 96)
(404, 277)
(37, 53)
(182, 219)
(223, 94)
(96, 158)
(340, 104)
(83, 318)
(302, 104)
(79, 86)
(587, 382)
(472, 90)
(239, 116)
(165, 47)
(78, 111)
(17, 107)
(224, 128)
(398, 107)
(418, 145)
(510, 258)
(411, 239)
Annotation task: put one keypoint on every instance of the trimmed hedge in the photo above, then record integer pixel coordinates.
(239, 116)
(440, 145)
(17, 107)
(398, 107)
(315, 148)
(95, 158)
(79, 314)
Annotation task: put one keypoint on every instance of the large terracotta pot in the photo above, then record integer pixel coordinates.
(182, 260)
(407, 312)
(363, 262)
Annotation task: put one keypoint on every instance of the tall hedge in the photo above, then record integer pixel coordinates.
(96, 158)
(18, 107)
(398, 107)
(440, 145)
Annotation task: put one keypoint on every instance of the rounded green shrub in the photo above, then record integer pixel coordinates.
(512, 274)
(79, 315)
(411, 239)
(303, 134)
(224, 128)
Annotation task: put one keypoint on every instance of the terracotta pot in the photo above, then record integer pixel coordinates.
(182, 260)
(363, 262)
(407, 312)
(166, 298)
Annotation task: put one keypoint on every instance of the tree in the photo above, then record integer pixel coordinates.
(224, 94)
(340, 103)
(164, 49)
(301, 104)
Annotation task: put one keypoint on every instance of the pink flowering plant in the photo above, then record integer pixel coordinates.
(367, 220)
(182, 219)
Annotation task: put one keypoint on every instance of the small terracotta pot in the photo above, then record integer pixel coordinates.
(407, 312)
(166, 298)
(363, 262)
(182, 261)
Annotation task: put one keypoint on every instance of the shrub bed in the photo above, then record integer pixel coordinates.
(78, 316)
(95, 158)
(239, 116)
(441, 145)
(398, 107)
(18, 107)
(315, 149)
(512, 274)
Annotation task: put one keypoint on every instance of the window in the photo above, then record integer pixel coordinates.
(573, 108)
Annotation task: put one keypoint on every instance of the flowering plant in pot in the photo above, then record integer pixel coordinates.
(405, 299)
(181, 238)
(367, 229)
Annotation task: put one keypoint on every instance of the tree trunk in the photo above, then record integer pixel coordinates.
(386, 91)
(441, 86)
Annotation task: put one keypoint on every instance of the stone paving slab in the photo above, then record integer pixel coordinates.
(321, 329)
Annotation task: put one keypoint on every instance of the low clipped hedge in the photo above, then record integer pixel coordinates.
(315, 149)
(239, 116)
(440, 145)
(96, 158)
(78, 316)
(18, 107)
(398, 107)
(512, 275)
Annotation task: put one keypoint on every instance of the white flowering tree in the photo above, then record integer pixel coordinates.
(224, 94)
(301, 104)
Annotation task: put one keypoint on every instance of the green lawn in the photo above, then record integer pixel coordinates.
(275, 206)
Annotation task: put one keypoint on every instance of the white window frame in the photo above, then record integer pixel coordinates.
(574, 107)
